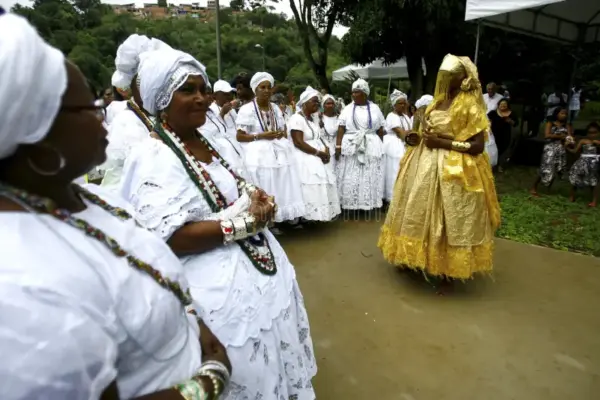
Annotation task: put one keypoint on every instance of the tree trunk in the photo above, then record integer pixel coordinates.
(415, 72)
(432, 64)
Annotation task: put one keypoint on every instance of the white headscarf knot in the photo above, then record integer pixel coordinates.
(162, 72)
(128, 54)
(120, 80)
(29, 105)
(362, 85)
(259, 78)
(397, 95)
(424, 101)
(308, 94)
(327, 97)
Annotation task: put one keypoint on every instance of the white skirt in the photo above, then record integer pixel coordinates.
(260, 319)
(271, 166)
(393, 149)
(360, 186)
(319, 188)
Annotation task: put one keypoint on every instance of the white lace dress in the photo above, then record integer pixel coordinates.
(221, 133)
(360, 168)
(260, 319)
(330, 136)
(125, 131)
(393, 149)
(319, 187)
(271, 163)
(74, 317)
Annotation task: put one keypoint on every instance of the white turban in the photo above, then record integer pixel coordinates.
(128, 54)
(259, 78)
(162, 72)
(327, 97)
(308, 94)
(29, 105)
(424, 101)
(120, 80)
(362, 85)
(397, 95)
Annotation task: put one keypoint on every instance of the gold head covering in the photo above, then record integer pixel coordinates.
(468, 112)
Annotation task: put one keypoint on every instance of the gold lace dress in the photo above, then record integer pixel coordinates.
(444, 212)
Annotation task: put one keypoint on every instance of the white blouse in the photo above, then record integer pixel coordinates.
(74, 317)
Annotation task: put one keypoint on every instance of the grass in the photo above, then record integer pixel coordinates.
(550, 221)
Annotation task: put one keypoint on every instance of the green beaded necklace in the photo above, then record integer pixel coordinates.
(44, 205)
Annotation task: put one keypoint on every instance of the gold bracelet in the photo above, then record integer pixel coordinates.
(461, 146)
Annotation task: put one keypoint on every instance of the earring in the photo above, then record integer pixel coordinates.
(40, 171)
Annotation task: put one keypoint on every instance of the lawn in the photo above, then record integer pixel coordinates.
(551, 220)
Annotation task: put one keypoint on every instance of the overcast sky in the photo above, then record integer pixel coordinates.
(282, 7)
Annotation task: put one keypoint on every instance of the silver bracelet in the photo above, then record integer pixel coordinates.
(216, 366)
(239, 228)
(228, 231)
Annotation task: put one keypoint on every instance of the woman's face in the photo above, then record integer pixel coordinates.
(562, 115)
(503, 106)
(190, 103)
(593, 131)
(263, 91)
(329, 106)
(107, 96)
(77, 133)
(359, 97)
(312, 105)
(400, 106)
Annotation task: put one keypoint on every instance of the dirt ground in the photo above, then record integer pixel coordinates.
(532, 332)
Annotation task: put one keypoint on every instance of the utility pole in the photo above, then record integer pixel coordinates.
(218, 29)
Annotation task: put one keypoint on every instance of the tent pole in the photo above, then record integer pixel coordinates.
(477, 42)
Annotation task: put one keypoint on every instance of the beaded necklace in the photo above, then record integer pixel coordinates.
(132, 105)
(316, 136)
(322, 116)
(356, 125)
(270, 117)
(257, 249)
(44, 205)
(215, 123)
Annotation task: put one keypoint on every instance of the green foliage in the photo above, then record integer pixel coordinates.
(92, 42)
(551, 220)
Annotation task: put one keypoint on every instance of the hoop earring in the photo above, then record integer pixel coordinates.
(40, 171)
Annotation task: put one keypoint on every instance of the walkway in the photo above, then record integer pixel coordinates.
(531, 333)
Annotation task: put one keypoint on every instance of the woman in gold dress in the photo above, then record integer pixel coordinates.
(444, 212)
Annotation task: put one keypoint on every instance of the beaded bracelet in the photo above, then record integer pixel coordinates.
(192, 390)
(238, 228)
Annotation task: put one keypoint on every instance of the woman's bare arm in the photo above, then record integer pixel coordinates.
(340, 135)
(298, 139)
(196, 237)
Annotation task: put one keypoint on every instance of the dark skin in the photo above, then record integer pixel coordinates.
(82, 153)
(185, 113)
(107, 96)
(411, 138)
(308, 109)
(263, 100)
(244, 93)
(329, 108)
(360, 99)
(224, 101)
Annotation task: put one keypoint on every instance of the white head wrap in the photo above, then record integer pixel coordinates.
(29, 105)
(397, 95)
(308, 94)
(120, 80)
(327, 97)
(424, 101)
(162, 72)
(259, 78)
(362, 85)
(128, 55)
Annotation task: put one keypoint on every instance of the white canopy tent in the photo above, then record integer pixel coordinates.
(375, 70)
(567, 21)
